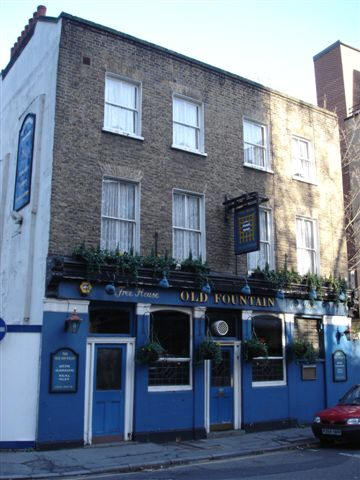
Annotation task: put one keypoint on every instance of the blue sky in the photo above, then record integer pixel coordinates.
(269, 41)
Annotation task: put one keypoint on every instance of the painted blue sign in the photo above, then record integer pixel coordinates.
(64, 371)
(24, 163)
(339, 366)
(246, 230)
(3, 329)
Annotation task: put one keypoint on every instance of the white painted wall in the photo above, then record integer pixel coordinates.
(29, 87)
(19, 378)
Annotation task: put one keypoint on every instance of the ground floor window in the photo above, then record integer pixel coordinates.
(310, 330)
(172, 329)
(270, 370)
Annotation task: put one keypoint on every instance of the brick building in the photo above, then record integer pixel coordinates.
(337, 74)
(113, 141)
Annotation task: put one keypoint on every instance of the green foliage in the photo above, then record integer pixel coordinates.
(197, 266)
(159, 265)
(149, 353)
(254, 347)
(208, 350)
(303, 350)
(279, 279)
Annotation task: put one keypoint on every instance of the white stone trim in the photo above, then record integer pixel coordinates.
(289, 317)
(66, 306)
(199, 312)
(143, 308)
(129, 383)
(336, 320)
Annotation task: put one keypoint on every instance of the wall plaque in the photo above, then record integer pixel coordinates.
(339, 366)
(24, 163)
(64, 371)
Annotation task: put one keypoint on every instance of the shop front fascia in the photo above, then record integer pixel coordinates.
(177, 396)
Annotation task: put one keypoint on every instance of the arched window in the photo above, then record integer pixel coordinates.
(270, 370)
(172, 329)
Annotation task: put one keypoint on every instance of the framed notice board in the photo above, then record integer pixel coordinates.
(64, 371)
(339, 366)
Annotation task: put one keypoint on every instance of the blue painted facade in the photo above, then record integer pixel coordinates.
(182, 411)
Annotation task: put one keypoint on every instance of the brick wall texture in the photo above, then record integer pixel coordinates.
(84, 154)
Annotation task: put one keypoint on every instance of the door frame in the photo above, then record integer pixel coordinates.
(129, 342)
(237, 384)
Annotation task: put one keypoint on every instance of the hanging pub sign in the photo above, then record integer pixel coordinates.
(64, 371)
(24, 163)
(246, 229)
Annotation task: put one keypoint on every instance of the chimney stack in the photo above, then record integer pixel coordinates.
(28, 31)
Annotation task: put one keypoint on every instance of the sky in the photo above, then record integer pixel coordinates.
(269, 41)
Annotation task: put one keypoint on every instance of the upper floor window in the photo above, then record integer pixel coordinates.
(122, 106)
(188, 131)
(120, 216)
(306, 244)
(256, 150)
(265, 255)
(304, 166)
(188, 226)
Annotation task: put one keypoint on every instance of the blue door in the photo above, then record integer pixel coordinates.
(109, 393)
(222, 391)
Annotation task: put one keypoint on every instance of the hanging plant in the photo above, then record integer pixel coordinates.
(208, 350)
(197, 266)
(314, 284)
(254, 347)
(303, 351)
(149, 353)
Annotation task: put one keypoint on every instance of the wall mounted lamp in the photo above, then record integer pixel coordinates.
(346, 332)
(72, 323)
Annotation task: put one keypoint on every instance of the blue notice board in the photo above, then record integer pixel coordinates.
(24, 163)
(246, 230)
(64, 371)
(339, 366)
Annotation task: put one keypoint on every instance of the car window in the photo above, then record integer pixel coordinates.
(352, 397)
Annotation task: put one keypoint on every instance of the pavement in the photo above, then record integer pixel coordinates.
(135, 456)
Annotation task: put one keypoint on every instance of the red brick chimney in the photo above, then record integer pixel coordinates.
(28, 31)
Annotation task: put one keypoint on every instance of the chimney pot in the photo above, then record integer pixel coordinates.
(41, 10)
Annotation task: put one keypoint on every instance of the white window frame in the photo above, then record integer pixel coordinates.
(138, 125)
(202, 221)
(298, 174)
(316, 248)
(199, 128)
(136, 221)
(266, 146)
(270, 226)
(273, 383)
(167, 388)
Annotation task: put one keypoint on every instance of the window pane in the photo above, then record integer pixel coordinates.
(179, 245)
(179, 210)
(254, 134)
(108, 369)
(267, 370)
(172, 330)
(254, 155)
(117, 235)
(110, 321)
(185, 136)
(169, 373)
(269, 329)
(308, 329)
(193, 212)
(186, 112)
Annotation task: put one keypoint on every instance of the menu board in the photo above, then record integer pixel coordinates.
(339, 366)
(64, 371)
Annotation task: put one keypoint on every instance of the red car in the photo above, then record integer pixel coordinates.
(341, 422)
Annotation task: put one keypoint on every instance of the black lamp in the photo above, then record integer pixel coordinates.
(72, 323)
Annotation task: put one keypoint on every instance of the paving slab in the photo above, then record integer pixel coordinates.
(136, 456)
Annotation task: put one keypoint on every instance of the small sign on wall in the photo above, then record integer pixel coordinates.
(308, 372)
(64, 371)
(339, 366)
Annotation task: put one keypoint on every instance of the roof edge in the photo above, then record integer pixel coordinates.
(338, 43)
(199, 63)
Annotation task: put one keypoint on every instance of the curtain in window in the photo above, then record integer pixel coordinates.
(187, 234)
(254, 144)
(262, 256)
(301, 155)
(120, 105)
(306, 246)
(186, 124)
(118, 215)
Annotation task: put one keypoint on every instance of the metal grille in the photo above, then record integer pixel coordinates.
(169, 373)
(267, 370)
(221, 374)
